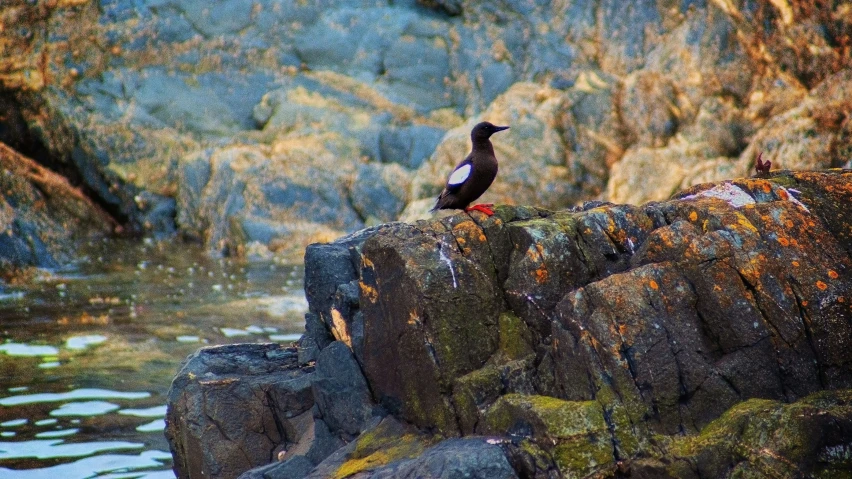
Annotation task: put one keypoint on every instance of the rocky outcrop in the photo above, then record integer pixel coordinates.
(260, 126)
(704, 336)
(232, 408)
(43, 219)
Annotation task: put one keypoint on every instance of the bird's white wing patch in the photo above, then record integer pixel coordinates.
(460, 175)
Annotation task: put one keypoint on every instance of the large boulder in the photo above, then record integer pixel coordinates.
(610, 337)
(235, 407)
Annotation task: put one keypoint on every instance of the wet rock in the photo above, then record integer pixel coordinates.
(43, 218)
(232, 408)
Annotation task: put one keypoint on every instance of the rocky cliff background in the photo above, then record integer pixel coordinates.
(259, 126)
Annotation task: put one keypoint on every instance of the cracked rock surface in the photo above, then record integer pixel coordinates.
(706, 336)
(588, 339)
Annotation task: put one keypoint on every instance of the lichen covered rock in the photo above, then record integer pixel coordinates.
(610, 337)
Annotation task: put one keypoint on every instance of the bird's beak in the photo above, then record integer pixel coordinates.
(500, 128)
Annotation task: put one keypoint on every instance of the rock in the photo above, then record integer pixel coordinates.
(232, 408)
(378, 192)
(471, 458)
(807, 136)
(450, 335)
(808, 437)
(385, 442)
(654, 174)
(575, 432)
(43, 218)
(606, 339)
(295, 468)
(391, 449)
(230, 123)
(340, 391)
(650, 108)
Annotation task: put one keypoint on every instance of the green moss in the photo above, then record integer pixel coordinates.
(580, 456)
(550, 417)
(406, 447)
(388, 442)
(515, 337)
(574, 432)
(771, 439)
(473, 391)
(542, 458)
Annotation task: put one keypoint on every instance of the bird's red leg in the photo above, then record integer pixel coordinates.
(483, 208)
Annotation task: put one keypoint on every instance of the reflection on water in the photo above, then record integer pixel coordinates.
(87, 353)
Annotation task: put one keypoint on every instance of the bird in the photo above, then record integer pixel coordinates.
(472, 177)
(762, 167)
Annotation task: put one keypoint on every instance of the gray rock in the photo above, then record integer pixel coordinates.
(461, 458)
(379, 192)
(340, 390)
(325, 443)
(295, 468)
(231, 407)
(409, 146)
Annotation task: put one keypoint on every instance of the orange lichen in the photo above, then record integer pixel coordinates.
(832, 274)
(693, 216)
(653, 284)
(821, 285)
(796, 264)
(541, 274)
(369, 292)
(766, 188)
(784, 241)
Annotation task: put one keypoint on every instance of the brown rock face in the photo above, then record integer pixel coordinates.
(42, 217)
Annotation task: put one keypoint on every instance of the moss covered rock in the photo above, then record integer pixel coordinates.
(586, 340)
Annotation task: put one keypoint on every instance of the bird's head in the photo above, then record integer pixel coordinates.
(484, 130)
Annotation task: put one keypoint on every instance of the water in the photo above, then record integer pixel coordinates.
(87, 352)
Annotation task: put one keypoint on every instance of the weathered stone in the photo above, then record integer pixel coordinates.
(575, 433)
(232, 407)
(340, 390)
(472, 458)
(295, 468)
(284, 103)
(614, 327)
(808, 438)
(43, 219)
(426, 295)
(386, 442)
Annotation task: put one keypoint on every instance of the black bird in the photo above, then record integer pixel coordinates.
(473, 175)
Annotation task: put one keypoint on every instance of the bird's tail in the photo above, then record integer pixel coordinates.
(439, 201)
